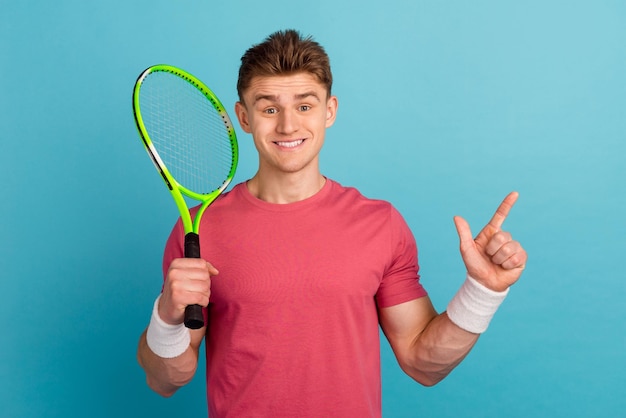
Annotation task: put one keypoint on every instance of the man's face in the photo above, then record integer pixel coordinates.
(287, 117)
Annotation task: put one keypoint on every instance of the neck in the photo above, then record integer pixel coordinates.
(285, 189)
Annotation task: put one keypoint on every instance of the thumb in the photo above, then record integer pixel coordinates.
(465, 234)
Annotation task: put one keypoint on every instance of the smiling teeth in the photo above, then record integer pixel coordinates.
(290, 144)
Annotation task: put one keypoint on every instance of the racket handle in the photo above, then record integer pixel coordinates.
(192, 245)
(193, 317)
(193, 313)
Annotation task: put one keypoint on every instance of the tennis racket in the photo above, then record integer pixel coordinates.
(192, 143)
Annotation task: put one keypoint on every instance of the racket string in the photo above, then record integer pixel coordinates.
(191, 137)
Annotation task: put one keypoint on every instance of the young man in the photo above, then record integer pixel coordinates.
(298, 272)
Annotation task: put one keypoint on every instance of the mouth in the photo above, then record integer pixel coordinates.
(289, 144)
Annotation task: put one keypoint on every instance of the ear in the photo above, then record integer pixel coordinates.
(242, 116)
(331, 111)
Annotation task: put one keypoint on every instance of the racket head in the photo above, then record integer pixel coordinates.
(188, 135)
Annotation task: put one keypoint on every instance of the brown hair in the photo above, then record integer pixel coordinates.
(283, 53)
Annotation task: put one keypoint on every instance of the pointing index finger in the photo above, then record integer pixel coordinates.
(503, 210)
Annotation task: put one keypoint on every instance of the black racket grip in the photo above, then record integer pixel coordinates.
(193, 317)
(193, 313)
(192, 245)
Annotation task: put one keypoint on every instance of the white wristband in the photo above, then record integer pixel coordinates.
(165, 340)
(474, 305)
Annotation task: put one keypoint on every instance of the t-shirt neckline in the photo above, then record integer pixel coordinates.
(286, 207)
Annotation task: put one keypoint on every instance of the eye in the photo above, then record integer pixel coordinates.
(270, 111)
(305, 108)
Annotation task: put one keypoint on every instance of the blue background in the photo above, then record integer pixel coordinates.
(445, 107)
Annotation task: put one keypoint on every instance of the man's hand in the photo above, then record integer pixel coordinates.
(188, 282)
(493, 258)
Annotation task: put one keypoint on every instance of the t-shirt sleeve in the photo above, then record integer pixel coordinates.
(174, 246)
(400, 282)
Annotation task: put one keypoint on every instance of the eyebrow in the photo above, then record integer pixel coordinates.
(275, 99)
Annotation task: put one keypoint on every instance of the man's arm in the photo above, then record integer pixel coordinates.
(429, 346)
(168, 352)
(166, 375)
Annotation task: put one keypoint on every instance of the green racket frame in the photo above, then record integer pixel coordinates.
(176, 189)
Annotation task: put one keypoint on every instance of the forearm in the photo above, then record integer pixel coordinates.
(429, 346)
(449, 337)
(438, 350)
(166, 375)
(168, 351)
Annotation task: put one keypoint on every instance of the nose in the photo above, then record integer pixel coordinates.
(287, 122)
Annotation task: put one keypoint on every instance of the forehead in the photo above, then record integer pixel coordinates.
(284, 86)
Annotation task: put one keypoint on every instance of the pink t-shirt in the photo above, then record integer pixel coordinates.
(292, 324)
